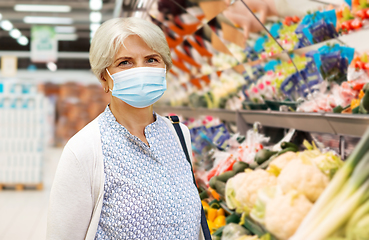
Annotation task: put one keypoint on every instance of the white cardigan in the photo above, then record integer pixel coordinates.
(77, 192)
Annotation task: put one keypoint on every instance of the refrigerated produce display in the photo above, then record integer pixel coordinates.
(277, 110)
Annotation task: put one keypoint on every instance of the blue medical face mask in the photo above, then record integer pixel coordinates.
(139, 87)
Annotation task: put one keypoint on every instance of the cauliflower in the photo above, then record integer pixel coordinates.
(304, 177)
(328, 163)
(285, 212)
(276, 166)
(248, 237)
(241, 190)
(233, 231)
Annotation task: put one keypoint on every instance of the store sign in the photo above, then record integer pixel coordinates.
(9, 65)
(44, 45)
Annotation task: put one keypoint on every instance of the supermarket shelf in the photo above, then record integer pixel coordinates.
(354, 125)
(339, 124)
(309, 122)
(186, 112)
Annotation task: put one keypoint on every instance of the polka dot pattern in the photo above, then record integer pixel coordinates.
(149, 191)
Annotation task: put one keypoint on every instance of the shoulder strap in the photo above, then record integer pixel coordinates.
(177, 127)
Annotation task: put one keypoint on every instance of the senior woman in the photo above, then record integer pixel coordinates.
(125, 175)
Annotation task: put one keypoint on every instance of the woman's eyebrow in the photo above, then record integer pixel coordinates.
(122, 58)
(153, 55)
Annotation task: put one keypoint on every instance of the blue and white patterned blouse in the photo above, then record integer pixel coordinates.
(149, 191)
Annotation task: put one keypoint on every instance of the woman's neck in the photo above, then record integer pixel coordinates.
(133, 119)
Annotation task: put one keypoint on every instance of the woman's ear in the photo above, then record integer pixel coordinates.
(105, 79)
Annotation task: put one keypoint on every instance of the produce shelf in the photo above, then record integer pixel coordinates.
(309, 122)
(339, 124)
(344, 124)
(222, 114)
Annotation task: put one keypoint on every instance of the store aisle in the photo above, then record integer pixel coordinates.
(23, 214)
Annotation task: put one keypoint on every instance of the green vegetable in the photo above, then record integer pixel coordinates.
(265, 164)
(346, 192)
(214, 201)
(364, 103)
(285, 145)
(215, 205)
(356, 110)
(233, 218)
(220, 188)
(203, 195)
(358, 225)
(225, 176)
(219, 232)
(263, 155)
(250, 225)
(212, 182)
(253, 165)
(239, 167)
(338, 109)
(286, 150)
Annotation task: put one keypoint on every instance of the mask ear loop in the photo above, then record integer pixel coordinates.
(110, 77)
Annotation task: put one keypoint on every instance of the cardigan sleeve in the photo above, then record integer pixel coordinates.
(71, 203)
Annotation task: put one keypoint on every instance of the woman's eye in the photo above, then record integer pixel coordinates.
(152, 60)
(123, 63)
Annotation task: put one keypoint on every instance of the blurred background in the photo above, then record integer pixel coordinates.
(259, 58)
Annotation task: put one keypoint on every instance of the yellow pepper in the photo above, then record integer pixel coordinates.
(212, 214)
(355, 103)
(361, 94)
(220, 212)
(215, 218)
(220, 221)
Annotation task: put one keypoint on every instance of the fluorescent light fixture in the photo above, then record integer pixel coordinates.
(96, 5)
(51, 66)
(95, 17)
(94, 26)
(22, 40)
(41, 8)
(15, 33)
(66, 36)
(65, 29)
(6, 25)
(47, 20)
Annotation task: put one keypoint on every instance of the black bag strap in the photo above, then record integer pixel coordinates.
(177, 127)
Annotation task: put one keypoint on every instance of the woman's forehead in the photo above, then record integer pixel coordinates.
(134, 45)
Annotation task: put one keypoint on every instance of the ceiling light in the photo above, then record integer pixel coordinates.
(66, 37)
(1, 16)
(95, 17)
(65, 29)
(15, 33)
(6, 25)
(41, 8)
(94, 27)
(51, 66)
(47, 20)
(22, 40)
(96, 5)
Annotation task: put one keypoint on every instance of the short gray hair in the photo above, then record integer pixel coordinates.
(111, 35)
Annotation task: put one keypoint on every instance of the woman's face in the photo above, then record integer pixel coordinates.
(134, 53)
